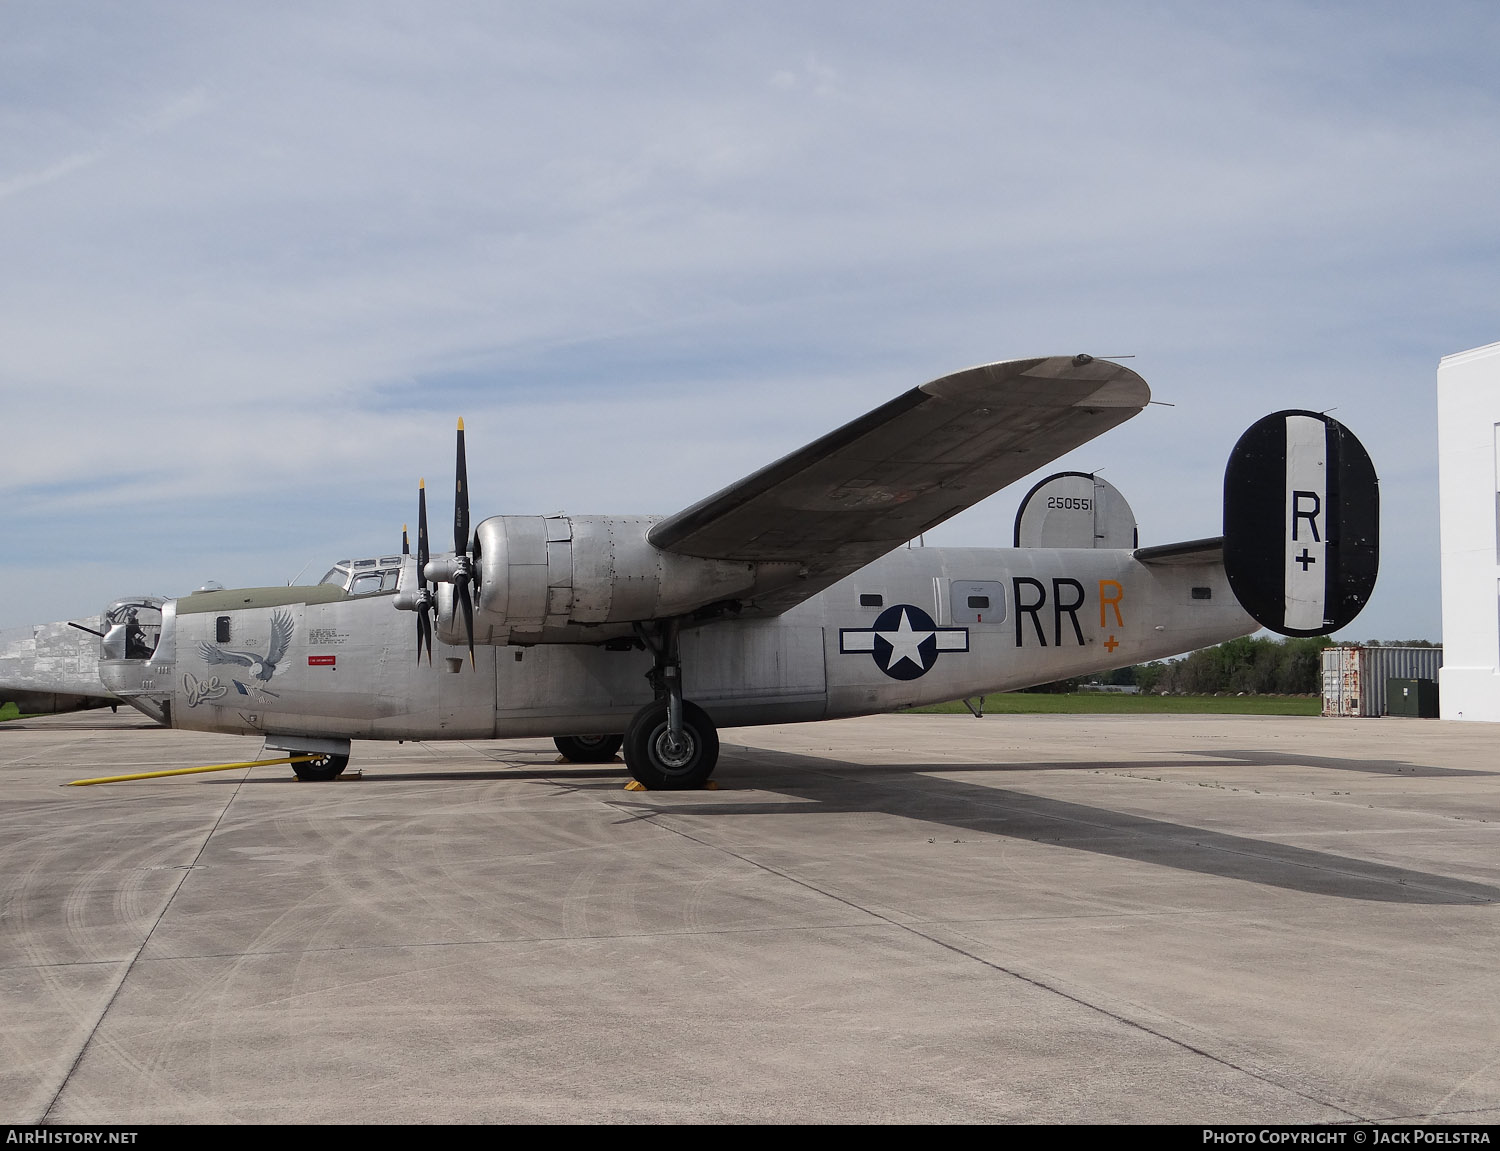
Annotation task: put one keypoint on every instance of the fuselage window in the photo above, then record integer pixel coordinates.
(869, 600)
(978, 602)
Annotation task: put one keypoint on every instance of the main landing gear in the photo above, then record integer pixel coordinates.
(670, 744)
(588, 748)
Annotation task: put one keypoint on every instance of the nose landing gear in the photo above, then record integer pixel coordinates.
(325, 767)
(330, 756)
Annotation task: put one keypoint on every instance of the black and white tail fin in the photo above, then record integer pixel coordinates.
(1301, 523)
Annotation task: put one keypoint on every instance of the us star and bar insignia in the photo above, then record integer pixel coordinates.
(904, 641)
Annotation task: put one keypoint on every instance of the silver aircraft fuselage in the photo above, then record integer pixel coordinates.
(918, 626)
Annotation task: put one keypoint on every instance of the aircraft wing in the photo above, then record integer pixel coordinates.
(50, 666)
(883, 479)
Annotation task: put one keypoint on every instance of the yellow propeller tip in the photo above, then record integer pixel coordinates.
(421, 483)
(460, 423)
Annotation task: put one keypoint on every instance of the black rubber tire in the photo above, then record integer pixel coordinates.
(588, 748)
(322, 769)
(646, 753)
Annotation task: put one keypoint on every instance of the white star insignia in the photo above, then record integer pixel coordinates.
(905, 643)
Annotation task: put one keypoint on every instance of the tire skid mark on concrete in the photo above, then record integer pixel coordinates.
(128, 966)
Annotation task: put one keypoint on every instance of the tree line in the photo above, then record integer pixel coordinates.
(1251, 664)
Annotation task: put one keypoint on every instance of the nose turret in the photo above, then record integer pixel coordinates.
(136, 653)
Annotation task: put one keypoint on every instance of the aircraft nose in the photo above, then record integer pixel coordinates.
(136, 653)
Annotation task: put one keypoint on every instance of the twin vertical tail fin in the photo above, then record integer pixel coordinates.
(1301, 523)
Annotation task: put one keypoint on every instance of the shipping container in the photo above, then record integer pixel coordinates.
(1416, 698)
(1354, 678)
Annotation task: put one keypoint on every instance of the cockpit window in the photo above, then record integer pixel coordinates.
(365, 577)
(365, 583)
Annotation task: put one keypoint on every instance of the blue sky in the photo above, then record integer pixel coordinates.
(254, 260)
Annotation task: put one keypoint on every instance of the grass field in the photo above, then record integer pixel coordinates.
(1117, 703)
(8, 711)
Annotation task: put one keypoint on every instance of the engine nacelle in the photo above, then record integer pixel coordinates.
(550, 573)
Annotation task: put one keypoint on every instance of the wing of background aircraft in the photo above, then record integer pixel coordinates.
(52, 667)
(902, 469)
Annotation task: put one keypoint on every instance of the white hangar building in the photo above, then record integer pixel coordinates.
(1469, 519)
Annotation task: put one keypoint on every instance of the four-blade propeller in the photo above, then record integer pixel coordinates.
(463, 565)
(458, 569)
(425, 598)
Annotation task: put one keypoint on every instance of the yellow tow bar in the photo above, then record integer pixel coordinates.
(189, 770)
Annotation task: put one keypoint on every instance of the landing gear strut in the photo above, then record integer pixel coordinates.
(670, 743)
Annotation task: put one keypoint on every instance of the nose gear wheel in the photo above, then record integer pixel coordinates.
(325, 767)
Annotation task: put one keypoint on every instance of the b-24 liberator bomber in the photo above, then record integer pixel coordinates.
(789, 596)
